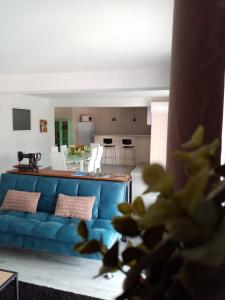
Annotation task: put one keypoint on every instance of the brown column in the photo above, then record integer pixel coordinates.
(197, 75)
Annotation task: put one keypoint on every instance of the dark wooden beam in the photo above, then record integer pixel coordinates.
(197, 75)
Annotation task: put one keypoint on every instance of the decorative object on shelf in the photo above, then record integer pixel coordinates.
(181, 252)
(78, 150)
(43, 126)
(33, 161)
(134, 117)
(78, 154)
(114, 117)
(85, 118)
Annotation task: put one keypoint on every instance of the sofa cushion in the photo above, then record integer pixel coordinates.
(21, 201)
(74, 206)
(50, 227)
(47, 187)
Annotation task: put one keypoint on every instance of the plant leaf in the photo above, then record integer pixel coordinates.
(195, 165)
(205, 151)
(195, 187)
(126, 226)
(104, 270)
(132, 254)
(182, 229)
(182, 155)
(82, 230)
(78, 246)
(138, 206)
(157, 180)
(211, 253)
(196, 139)
(111, 257)
(158, 214)
(206, 215)
(125, 208)
(152, 174)
(213, 147)
(153, 236)
(89, 247)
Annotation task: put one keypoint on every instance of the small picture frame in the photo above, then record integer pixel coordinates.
(43, 126)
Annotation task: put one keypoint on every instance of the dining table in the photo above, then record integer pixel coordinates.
(78, 159)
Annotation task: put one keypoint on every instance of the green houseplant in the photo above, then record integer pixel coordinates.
(181, 253)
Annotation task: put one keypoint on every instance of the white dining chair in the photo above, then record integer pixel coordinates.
(58, 161)
(54, 149)
(63, 148)
(94, 145)
(90, 166)
(98, 159)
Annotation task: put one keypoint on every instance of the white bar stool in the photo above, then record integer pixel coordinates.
(109, 150)
(128, 148)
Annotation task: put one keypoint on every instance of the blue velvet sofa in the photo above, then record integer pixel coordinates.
(43, 231)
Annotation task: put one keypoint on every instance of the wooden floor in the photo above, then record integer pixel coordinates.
(70, 274)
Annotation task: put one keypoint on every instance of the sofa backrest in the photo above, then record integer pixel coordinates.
(108, 194)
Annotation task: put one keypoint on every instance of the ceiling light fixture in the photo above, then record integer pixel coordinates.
(134, 117)
(114, 117)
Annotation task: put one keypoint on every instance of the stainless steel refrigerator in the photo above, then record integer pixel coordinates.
(85, 133)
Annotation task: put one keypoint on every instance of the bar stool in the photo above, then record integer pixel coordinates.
(128, 148)
(110, 148)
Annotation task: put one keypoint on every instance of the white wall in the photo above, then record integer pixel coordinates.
(63, 113)
(27, 141)
(159, 132)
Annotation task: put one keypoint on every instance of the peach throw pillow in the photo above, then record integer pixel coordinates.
(21, 201)
(74, 206)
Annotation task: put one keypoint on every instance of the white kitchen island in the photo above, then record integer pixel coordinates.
(141, 143)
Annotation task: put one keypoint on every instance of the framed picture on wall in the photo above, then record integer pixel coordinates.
(21, 119)
(43, 126)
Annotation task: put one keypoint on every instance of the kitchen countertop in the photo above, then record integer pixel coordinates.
(126, 135)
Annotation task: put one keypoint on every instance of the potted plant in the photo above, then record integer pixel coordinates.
(181, 253)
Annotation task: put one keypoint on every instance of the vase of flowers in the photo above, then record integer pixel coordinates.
(78, 150)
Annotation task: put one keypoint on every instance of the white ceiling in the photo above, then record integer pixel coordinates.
(104, 94)
(109, 98)
(59, 36)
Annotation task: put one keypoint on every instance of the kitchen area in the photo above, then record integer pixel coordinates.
(130, 136)
(83, 126)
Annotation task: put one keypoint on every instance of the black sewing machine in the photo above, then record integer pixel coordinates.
(33, 161)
